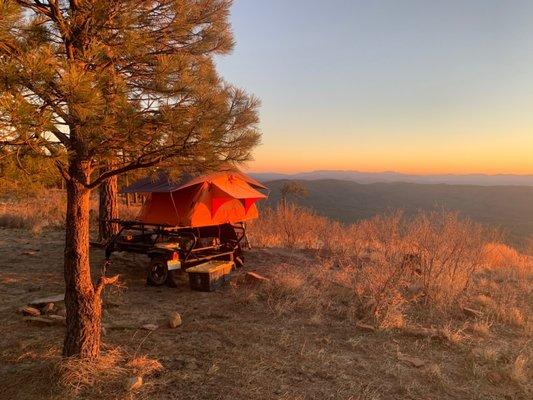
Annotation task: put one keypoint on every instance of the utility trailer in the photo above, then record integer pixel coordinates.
(172, 250)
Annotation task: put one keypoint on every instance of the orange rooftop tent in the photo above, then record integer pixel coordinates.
(213, 199)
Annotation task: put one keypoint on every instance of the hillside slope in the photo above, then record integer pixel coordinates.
(509, 207)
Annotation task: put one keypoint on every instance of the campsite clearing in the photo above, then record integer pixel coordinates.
(231, 343)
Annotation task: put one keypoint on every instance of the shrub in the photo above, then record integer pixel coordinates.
(383, 269)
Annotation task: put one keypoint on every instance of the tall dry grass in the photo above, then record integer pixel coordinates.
(45, 210)
(390, 268)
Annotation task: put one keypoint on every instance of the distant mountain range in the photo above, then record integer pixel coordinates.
(390, 176)
(507, 207)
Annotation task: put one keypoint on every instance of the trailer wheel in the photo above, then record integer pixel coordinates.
(157, 272)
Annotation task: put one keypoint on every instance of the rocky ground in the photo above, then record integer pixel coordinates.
(230, 344)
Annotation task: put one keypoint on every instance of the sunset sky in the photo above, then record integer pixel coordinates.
(410, 86)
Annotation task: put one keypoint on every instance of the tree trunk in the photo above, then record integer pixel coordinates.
(127, 194)
(82, 301)
(107, 208)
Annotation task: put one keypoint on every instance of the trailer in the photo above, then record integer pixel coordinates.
(172, 250)
(188, 222)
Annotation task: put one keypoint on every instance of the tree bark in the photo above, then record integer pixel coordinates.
(107, 208)
(82, 301)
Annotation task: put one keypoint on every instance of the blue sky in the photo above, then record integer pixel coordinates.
(411, 86)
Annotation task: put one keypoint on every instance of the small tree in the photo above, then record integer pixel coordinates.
(292, 188)
(121, 85)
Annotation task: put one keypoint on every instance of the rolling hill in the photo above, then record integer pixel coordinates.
(508, 207)
(392, 177)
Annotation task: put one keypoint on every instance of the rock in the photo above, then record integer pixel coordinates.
(51, 299)
(414, 361)
(134, 382)
(365, 327)
(254, 278)
(471, 312)
(149, 327)
(58, 318)
(31, 311)
(174, 320)
(421, 332)
(40, 320)
(48, 308)
(494, 377)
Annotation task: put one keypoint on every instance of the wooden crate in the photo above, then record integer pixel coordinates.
(210, 275)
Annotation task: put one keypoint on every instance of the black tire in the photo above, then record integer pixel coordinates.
(157, 272)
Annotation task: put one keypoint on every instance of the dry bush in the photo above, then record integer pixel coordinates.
(288, 226)
(386, 269)
(450, 252)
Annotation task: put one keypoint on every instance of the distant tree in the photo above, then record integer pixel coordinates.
(292, 188)
(24, 170)
(121, 85)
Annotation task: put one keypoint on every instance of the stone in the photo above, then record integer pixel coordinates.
(174, 320)
(31, 311)
(421, 332)
(58, 318)
(40, 320)
(254, 277)
(149, 327)
(50, 299)
(48, 308)
(133, 382)
(365, 327)
(472, 313)
(414, 361)
(494, 377)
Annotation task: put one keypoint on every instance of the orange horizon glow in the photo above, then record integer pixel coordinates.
(420, 161)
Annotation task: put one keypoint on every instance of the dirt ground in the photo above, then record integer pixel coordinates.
(232, 345)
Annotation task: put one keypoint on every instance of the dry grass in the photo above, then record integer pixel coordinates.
(518, 370)
(106, 376)
(481, 328)
(45, 210)
(341, 306)
(34, 213)
(499, 255)
(390, 270)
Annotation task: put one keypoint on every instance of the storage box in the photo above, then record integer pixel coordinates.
(210, 275)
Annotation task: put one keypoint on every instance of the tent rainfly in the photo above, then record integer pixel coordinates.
(213, 199)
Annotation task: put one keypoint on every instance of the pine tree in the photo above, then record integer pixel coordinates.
(121, 85)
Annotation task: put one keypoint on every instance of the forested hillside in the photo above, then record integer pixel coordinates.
(509, 207)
